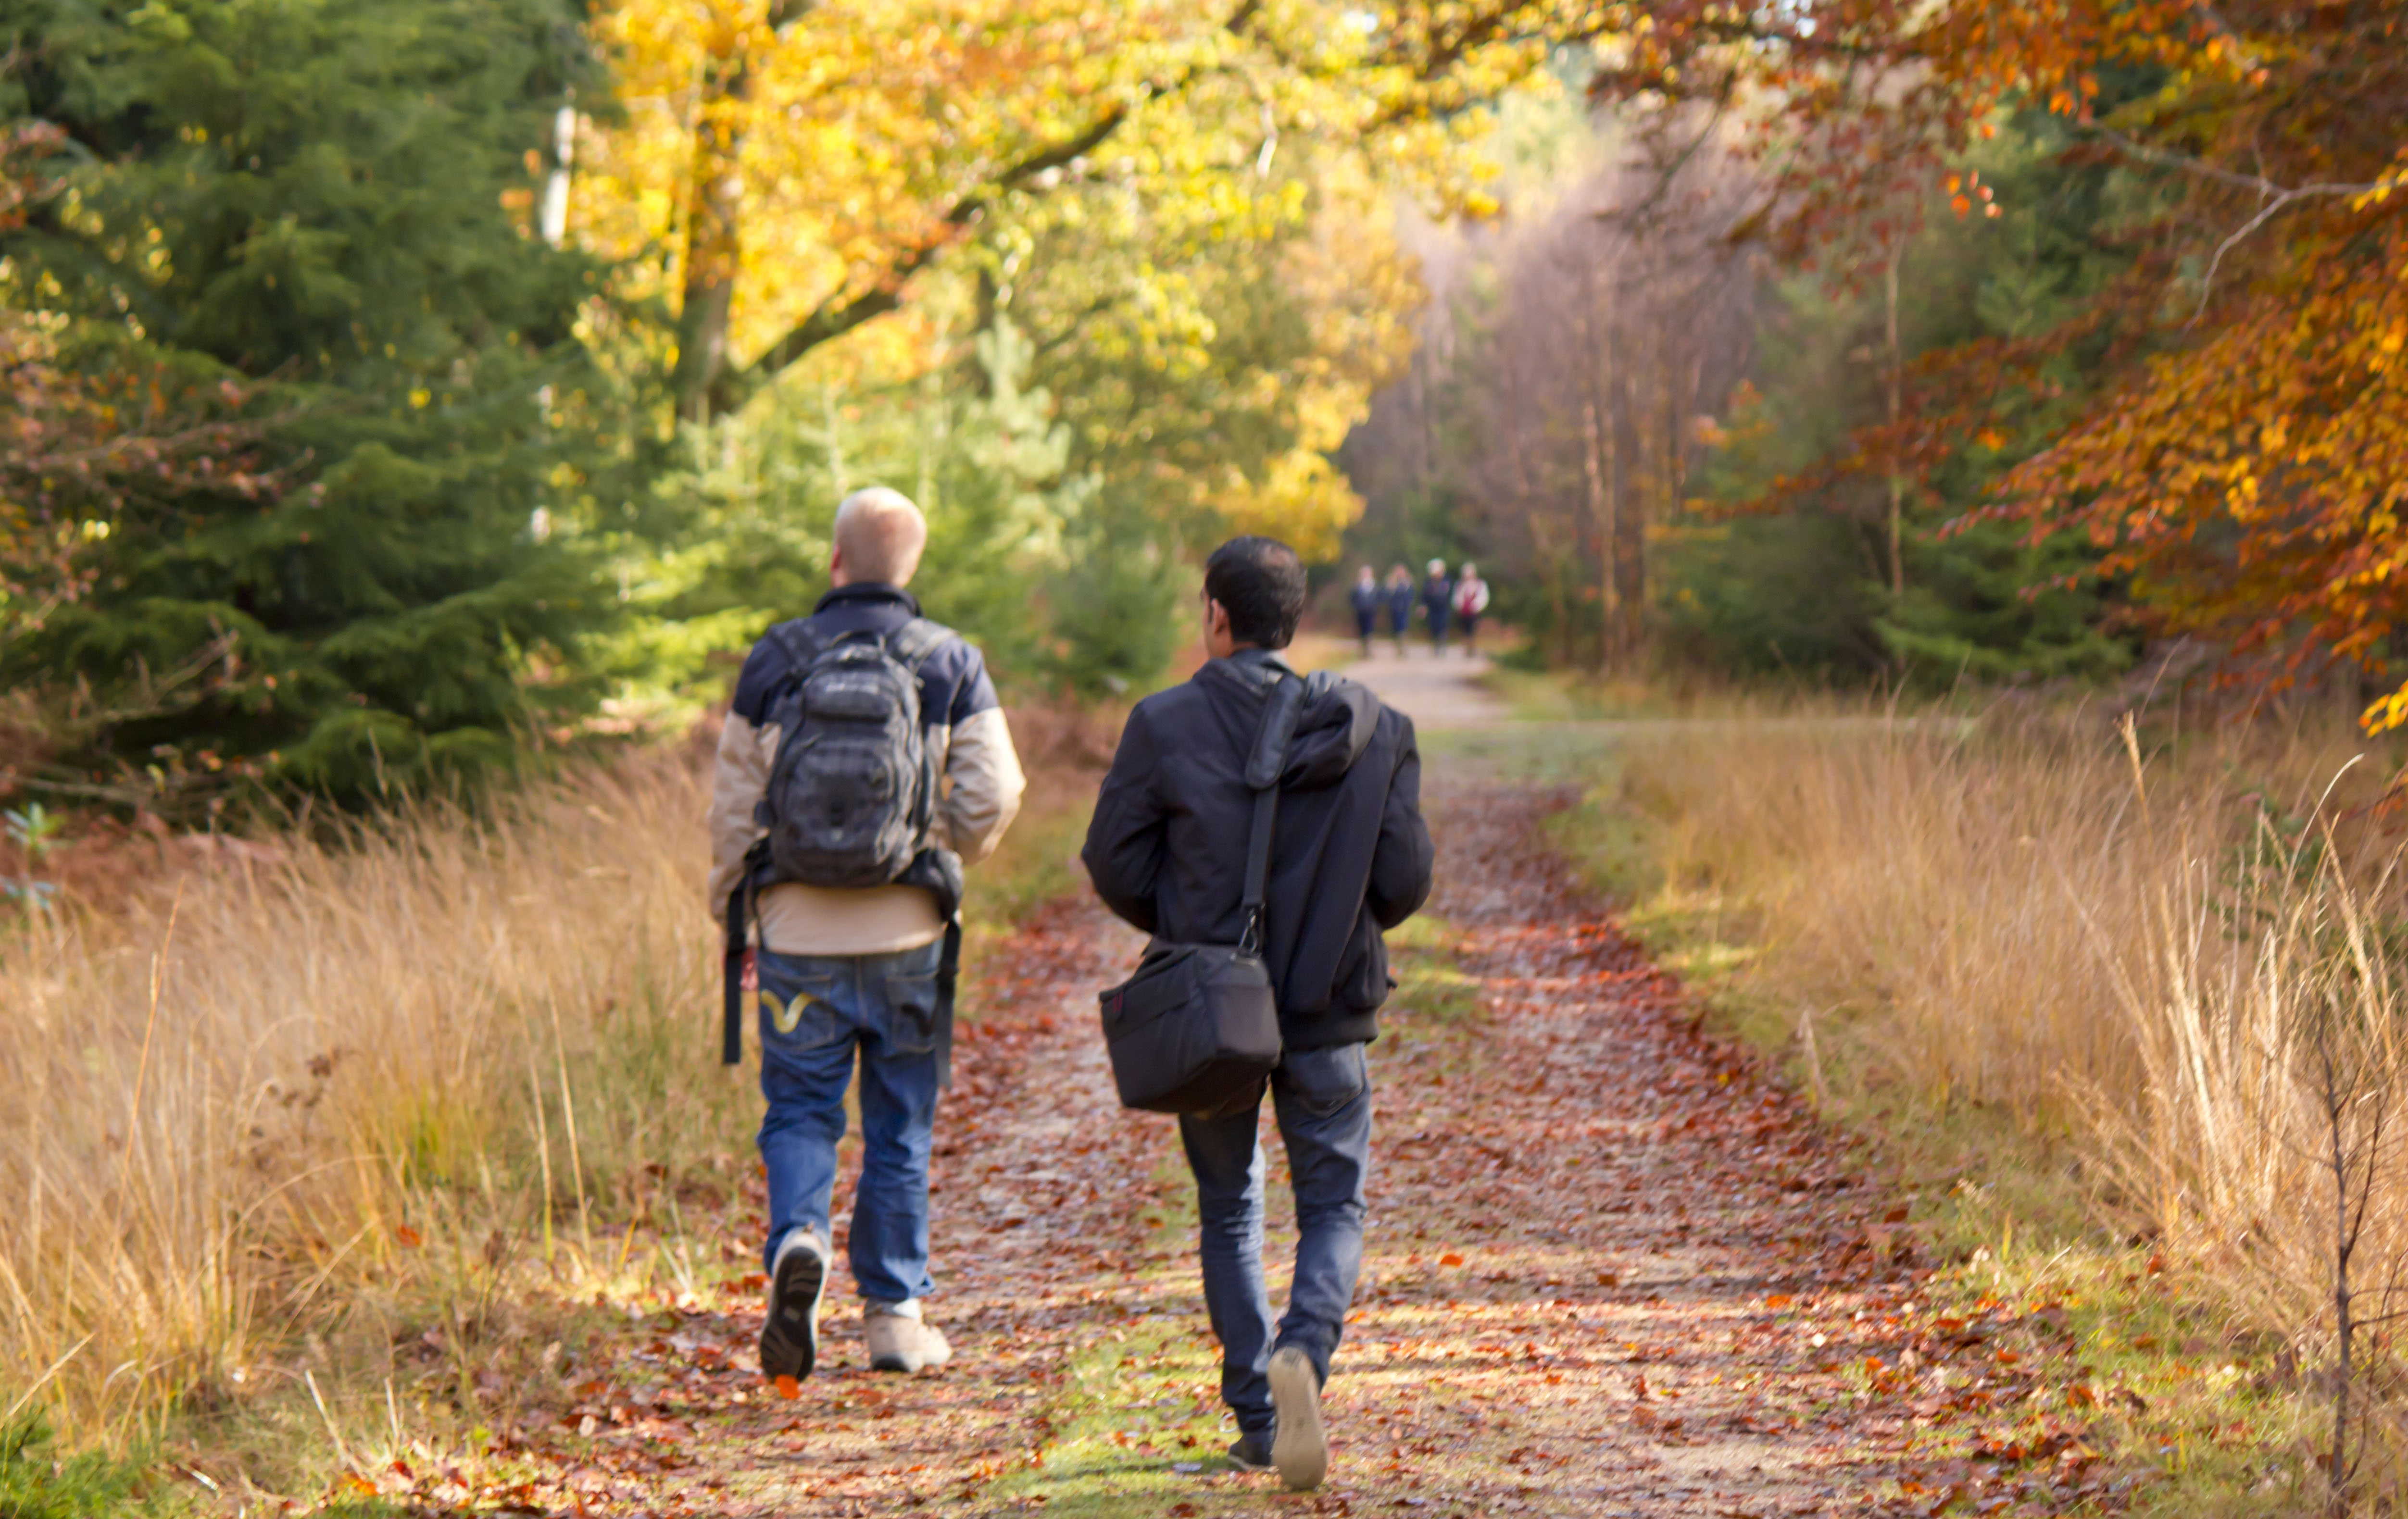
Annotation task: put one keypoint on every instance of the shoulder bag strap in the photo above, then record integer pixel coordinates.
(1281, 710)
(949, 968)
(1258, 865)
(731, 1034)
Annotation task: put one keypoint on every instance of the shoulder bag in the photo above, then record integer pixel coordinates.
(1196, 1030)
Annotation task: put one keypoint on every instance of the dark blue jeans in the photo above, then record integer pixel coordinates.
(815, 1014)
(1323, 1099)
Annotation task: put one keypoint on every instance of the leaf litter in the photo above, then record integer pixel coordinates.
(1613, 1266)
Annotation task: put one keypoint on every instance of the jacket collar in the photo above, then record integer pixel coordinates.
(867, 593)
(1260, 667)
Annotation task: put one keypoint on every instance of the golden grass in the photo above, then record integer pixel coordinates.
(2174, 962)
(242, 1097)
(1979, 896)
(314, 1093)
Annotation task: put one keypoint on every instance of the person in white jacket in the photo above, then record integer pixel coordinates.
(1471, 600)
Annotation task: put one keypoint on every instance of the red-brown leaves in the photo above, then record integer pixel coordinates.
(2243, 461)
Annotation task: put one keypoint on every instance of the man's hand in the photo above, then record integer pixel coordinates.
(752, 972)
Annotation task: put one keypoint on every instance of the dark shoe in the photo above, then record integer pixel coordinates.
(790, 1335)
(1252, 1453)
(1300, 1447)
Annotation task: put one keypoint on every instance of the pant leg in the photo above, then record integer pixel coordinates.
(1228, 1167)
(1323, 1102)
(807, 1011)
(889, 1243)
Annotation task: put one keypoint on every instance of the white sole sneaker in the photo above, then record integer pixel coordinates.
(1299, 1446)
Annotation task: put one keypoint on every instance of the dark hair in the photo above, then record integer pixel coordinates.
(1260, 582)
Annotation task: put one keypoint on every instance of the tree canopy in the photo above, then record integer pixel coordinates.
(395, 384)
(2236, 456)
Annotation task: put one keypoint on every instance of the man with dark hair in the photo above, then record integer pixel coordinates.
(1350, 857)
(1261, 583)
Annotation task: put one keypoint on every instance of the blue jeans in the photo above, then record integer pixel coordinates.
(815, 1012)
(1323, 1099)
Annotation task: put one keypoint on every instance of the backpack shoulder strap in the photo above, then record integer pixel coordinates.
(912, 644)
(801, 642)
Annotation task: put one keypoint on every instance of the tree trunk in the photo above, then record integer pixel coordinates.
(1601, 465)
(714, 245)
(555, 224)
(1545, 557)
(1897, 481)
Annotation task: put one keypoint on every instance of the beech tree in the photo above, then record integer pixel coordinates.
(2239, 461)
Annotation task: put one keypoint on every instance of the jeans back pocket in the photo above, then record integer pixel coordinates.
(1325, 1079)
(910, 1012)
(796, 1002)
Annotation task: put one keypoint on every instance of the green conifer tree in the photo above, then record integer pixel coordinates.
(316, 211)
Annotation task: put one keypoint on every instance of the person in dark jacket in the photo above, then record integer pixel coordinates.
(1437, 603)
(1400, 605)
(1351, 858)
(1365, 598)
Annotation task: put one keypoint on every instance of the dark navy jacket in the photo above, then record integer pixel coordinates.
(954, 684)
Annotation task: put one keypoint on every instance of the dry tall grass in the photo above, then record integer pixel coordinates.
(2184, 956)
(236, 1099)
(253, 1109)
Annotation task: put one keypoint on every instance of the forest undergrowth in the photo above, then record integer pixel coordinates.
(2117, 1005)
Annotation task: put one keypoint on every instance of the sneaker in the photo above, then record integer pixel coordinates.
(790, 1335)
(1300, 1447)
(900, 1343)
(1252, 1452)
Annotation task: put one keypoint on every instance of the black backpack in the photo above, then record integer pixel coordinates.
(852, 790)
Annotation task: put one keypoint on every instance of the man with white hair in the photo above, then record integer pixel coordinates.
(836, 863)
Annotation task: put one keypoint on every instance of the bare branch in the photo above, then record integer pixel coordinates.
(2211, 171)
(2277, 196)
(2207, 282)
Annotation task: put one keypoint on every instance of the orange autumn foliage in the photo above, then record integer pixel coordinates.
(2243, 460)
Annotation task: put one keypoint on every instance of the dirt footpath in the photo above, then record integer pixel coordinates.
(1610, 1269)
(1436, 691)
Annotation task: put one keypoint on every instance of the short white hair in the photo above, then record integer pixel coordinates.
(880, 535)
(1437, 566)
